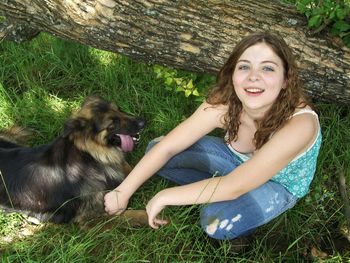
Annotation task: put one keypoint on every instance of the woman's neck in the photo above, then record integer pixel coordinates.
(253, 115)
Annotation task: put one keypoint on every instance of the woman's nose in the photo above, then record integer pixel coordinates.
(253, 76)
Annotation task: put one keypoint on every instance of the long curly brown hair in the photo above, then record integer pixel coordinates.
(289, 98)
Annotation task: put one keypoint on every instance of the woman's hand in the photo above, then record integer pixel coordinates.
(115, 202)
(153, 208)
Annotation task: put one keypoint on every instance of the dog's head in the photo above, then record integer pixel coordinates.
(99, 126)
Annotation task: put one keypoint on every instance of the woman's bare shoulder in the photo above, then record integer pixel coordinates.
(219, 109)
(216, 111)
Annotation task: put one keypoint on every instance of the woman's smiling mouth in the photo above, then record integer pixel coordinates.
(254, 91)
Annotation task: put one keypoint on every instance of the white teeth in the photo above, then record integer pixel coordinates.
(136, 139)
(254, 90)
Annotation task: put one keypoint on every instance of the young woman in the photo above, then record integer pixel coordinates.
(263, 165)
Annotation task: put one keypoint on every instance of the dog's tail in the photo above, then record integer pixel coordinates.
(16, 134)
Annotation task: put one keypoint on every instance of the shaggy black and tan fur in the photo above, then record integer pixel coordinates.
(65, 180)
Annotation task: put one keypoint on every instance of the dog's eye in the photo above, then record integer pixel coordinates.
(116, 122)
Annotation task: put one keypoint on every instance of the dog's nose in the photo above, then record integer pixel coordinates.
(141, 123)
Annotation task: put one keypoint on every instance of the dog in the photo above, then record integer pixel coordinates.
(65, 180)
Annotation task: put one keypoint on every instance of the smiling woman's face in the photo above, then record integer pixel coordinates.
(258, 77)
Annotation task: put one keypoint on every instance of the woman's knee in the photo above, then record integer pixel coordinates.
(217, 228)
(223, 224)
(240, 217)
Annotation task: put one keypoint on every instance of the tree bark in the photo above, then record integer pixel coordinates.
(195, 35)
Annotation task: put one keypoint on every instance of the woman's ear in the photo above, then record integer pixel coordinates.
(285, 82)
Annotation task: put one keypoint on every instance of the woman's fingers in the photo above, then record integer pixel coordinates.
(160, 222)
(156, 222)
(112, 204)
(153, 208)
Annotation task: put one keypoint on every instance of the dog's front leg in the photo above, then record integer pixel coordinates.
(136, 217)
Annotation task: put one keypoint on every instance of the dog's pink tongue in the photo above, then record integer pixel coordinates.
(127, 142)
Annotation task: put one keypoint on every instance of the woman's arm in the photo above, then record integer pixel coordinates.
(295, 137)
(202, 121)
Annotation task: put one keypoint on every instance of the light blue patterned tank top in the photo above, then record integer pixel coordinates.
(296, 177)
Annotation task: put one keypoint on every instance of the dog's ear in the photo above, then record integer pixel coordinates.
(90, 100)
(73, 125)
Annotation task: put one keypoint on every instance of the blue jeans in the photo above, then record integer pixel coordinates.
(228, 219)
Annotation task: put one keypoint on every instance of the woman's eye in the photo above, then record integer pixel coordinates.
(267, 68)
(243, 67)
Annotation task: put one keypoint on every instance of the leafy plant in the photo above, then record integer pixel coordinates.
(190, 84)
(328, 13)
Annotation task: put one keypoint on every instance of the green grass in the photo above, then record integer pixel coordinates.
(42, 81)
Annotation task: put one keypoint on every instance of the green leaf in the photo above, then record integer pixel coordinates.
(187, 93)
(190, 85)
(157, 69)
(302, 5)
(195, 92)
(332, 15)
(341, 26)
(169, 81)
(341, 13)
(315, 21)
(167, 74)
(178, 81)
(179, 88)
(347, 41)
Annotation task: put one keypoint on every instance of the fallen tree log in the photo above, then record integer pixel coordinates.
(193, 35)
